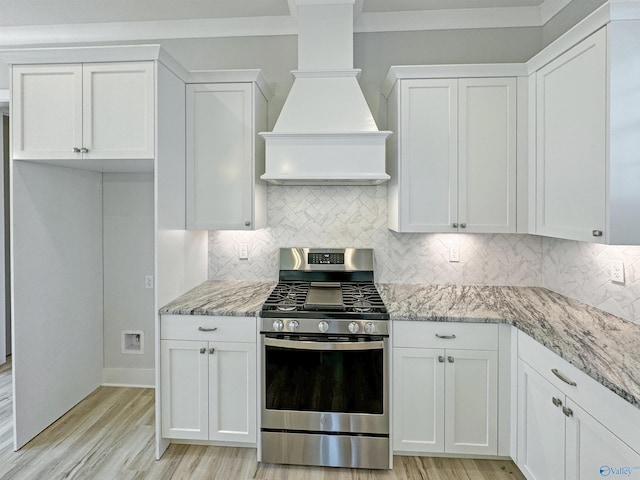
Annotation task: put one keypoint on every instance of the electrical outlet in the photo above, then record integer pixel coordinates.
(616, 271)
(243, 252)
(148, 281)
(454, 253)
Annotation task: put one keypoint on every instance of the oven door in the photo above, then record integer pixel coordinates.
(320, 383)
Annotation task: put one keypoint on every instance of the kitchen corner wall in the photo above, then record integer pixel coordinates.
(357, 217)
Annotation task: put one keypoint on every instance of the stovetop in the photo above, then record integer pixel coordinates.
(360, 300)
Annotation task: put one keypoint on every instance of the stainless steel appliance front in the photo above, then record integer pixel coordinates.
(325, 400)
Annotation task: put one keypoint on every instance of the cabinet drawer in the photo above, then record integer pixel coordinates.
(208, 328)
(469, 336)
(618, 415)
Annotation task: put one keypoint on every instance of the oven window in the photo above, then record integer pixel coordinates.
(324, 381)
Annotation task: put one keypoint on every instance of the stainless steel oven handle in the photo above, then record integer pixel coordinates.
(306, 345)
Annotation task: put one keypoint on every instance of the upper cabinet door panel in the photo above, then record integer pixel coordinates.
(487, 155)
(118, 110)
(219, 156)
(429, 149)
(571, 142)
(47, 111)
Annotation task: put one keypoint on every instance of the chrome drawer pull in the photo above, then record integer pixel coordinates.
(445, 337)
(441, 358)
(563, 378)
(450, 358)
(203, 350)
(204, 329)
(212, 351)
(556, 401)
(567, 411)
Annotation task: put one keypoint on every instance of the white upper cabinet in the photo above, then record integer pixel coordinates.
(453, 155)
(83, 111)
(225, 156)
(587, 135)
(571, 143)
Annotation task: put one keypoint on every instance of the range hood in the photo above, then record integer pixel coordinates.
(325, 134)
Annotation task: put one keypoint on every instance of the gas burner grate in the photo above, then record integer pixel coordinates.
(362, 297)
(287, 297)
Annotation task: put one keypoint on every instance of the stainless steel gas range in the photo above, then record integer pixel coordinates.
(325, 386)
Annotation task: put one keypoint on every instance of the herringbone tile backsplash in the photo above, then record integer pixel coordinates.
(357, 217)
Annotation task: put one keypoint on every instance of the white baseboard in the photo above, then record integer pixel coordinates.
(128, 377)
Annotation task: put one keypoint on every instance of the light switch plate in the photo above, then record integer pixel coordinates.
(148, 281)
(616, 271)
(243, 252)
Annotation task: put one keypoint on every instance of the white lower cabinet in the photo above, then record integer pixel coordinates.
(445, 400)
(209, 388)
(560, 439)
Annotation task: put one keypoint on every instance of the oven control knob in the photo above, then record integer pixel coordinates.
(323, 326)
(293, 325)
(354, 327)
(278, 325)
(369, 328)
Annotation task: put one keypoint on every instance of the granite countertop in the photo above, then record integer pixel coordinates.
(604, 346)
(224, 298)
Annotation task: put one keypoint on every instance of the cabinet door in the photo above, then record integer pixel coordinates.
(541, 427)
(594, 452)
(471, 408)
(219, 157)
(232, 392)
(118, 110)
(418, 400)
(487, 155)
(47, 111)
(185, 405)
(429, 155)
(571, 142)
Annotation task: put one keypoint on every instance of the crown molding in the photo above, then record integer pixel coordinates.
(472, 18)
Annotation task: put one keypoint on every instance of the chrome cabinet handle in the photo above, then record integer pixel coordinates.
(211, 350)
(445, 337)
(247, 223)
(566, 380)
(454, 225)
(205, 329)
(450, 358)
(84, 150)
(76, 150)
(556, 401)
(203, 350)
(463, 225)
(567, 411)
(441, 358)
(596, 233)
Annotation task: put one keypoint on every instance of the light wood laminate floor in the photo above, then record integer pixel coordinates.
(110, 435)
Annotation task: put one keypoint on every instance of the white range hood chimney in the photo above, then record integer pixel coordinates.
(325, 134)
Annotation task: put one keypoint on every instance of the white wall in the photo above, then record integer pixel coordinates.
(128, 238)
(57, 292)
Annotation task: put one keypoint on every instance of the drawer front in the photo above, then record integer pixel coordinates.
(208, 328)
(465, 336)
(618, 415)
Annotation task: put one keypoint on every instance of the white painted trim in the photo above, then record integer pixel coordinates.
(452, 19)
(128, 377)
(550, 8)
(231, 76)
(137, 31)
(4, 97)
(471, 18)
(451, 71)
